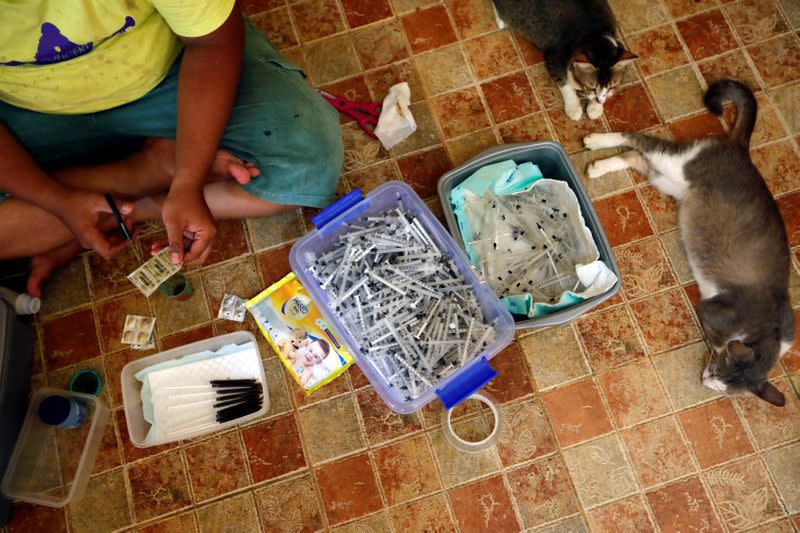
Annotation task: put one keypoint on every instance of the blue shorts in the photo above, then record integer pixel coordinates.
(279, 123)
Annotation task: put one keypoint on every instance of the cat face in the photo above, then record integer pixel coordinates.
(744, 354)
(599, 70)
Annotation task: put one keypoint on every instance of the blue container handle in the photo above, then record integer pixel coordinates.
(469, 381)
(337, 208)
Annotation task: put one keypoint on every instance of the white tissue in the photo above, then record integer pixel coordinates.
(396, 122)
(500, 22)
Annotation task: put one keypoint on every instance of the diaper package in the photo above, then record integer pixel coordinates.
(299, 334)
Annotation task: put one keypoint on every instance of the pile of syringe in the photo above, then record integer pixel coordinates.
(402, 300)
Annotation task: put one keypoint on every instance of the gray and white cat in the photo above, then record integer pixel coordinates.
(581, 52)
(734, 238)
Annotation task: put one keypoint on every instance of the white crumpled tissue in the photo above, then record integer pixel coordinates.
(396, 122)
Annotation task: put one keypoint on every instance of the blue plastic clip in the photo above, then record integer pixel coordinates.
(337, 208)
(467, 383)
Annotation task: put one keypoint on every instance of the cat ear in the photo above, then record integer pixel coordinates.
(770, 393)
(581, 60)
(740, 352)
(625, 59)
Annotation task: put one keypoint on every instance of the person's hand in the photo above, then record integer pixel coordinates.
(186, 216)
(85, 214)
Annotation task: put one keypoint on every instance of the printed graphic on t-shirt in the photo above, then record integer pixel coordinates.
(55, 47)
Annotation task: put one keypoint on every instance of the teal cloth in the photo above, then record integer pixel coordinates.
(279, 123)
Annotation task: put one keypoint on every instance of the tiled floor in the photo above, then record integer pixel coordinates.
(607, 427)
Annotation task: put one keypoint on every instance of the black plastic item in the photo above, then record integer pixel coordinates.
(16, 356)
(54, 410)
(86, 382)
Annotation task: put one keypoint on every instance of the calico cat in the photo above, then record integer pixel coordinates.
(734, 238)
(581, 52)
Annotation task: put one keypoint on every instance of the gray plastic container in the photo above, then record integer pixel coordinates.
(554, 163)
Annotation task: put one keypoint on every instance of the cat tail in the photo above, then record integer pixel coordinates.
(746, 107)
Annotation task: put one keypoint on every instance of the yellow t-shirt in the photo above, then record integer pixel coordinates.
(82, 56)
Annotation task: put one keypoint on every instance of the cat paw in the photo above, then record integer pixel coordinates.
(594, 141)
(595, 170)
(594, 110)
(574, 111)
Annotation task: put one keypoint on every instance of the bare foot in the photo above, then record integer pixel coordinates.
(43, 266)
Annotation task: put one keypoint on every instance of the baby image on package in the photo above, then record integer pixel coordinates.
(299, 334)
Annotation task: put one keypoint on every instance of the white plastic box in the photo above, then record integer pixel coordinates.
(131, 387)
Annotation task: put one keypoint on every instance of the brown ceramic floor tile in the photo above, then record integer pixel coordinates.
(111, 319)
(274, 264)
(216, 466)
(512, 381)
(381, 423)
(671, 242)
(29, 518)
(546, 88)
(680, 371)
(70, 339)
(467, 147)
(104, 507)
(109, 277)
(232, 515)
(266, 232)
(510, 97)
(326, 440)
(349, 489)
(531, 55)
(492, 55)
(731, 65)
(158, 486)
(743, 494)
(526, 433)
(67, 288)
(680, 8)
(361, 12)
(599, 471)
(273, 448)
(334, 388)
(427, 29)
(332, 59)
(251, 7)
(472, 17)
(423, 170)
(570, 133)
(401, 6)
(695, 127)
(657, 451)
(130, 452)
(791, 359)
(610, 339)
(707, 34)
(428, 515)
(789, 206)
(786, 99)
(633, 393)
(379, 81)
(623, 218)
(629, 514)
(427, 134)
(483, 505)
(460, 112)
(665, 321)
(182, 523)
(663, 209)
(772, 425)
(172, 315)
(683, 506)
(230, 242)
(380, 45)
(71, 445)
(526, 129)
(374, 522)
(459, 467)
(756, 20)
(777, 60)
(785, 469)
(644, 268)
(658, 50)
(542, 491)
(630, 110)
(371, 177)
(316, 19)
(354, 89)
(634, 15)
(278, 27)
(406, 470)
(187, 336)
(768, 125)
(715, 433)
(577, 412)
(605, 185)
(779, 163)
(290, 505)
(448, 59)
(677, 92)
(554, 356)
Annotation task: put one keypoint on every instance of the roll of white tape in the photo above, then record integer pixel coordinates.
(473, 446)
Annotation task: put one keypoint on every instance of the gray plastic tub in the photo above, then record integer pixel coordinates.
(554, 163)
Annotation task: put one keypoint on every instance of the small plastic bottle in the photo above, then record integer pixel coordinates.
(62, 412)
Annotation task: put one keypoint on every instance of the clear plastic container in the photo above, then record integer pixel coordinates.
(50, 465)
(555, 164)
(131, 387)
(332, 222)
